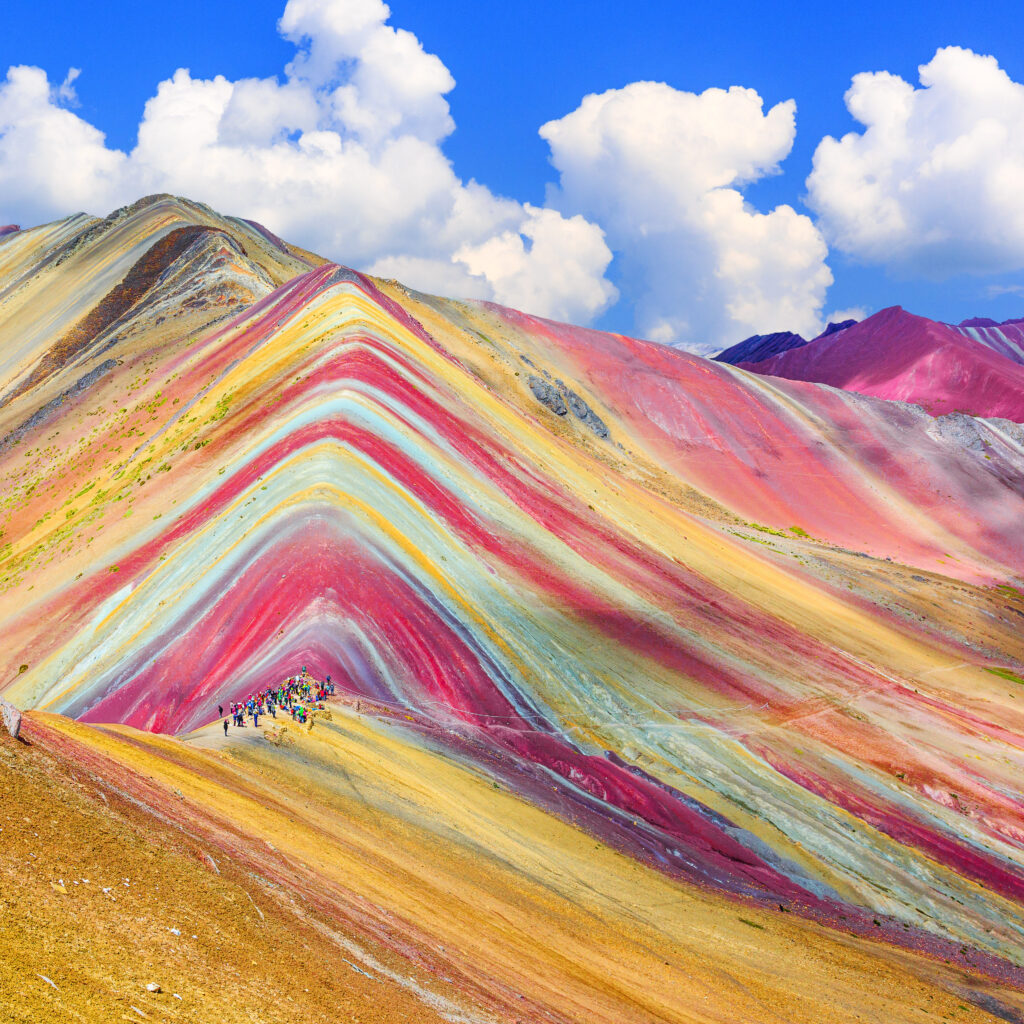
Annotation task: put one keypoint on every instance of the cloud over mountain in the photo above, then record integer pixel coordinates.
(886, 195)
(342, 154)
(662, 171)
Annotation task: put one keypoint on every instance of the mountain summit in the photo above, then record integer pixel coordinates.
(978, 370)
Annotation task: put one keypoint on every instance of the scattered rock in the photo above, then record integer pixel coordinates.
(548, 395)
(583, 412)
(153, 987)
(555, 396)
(277, 736)
(579, 408)
(11, 716)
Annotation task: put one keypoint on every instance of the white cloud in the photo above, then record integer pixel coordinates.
(563, 258)
(934, 185)
(392, 87)
(837, 316)
(66, 90)
(661, 170)
(340, 155)
(993, 291)
(51, 161)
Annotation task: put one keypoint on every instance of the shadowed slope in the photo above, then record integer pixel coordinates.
(759, 347)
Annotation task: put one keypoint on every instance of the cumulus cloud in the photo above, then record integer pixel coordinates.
(550, 263)
(837, 316)
(934, 184)
(340, 154)
(51, 161)
(662, 172)
(547, 259)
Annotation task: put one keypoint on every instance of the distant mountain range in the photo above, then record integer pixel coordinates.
(975, 367)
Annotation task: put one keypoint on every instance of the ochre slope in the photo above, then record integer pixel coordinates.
(105, 888)
(439, 884)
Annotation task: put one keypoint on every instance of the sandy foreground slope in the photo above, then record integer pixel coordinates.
(357, 873)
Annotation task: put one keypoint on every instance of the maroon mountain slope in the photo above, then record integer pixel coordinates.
(897, 355)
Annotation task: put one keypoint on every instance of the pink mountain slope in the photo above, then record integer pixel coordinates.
(897, 355)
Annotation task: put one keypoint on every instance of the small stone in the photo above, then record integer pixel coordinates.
(152, 987)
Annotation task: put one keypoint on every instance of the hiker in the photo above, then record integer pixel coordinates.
(294, 696)
(220, 711)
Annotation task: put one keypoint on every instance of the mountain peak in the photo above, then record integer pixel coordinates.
(897, 355)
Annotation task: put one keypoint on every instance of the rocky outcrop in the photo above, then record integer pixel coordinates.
(547, 394)
(560, 399)
(11, 717)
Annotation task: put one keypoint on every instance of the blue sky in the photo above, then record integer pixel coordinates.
(519, 65)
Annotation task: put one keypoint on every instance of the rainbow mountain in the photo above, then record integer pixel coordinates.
(727, 665)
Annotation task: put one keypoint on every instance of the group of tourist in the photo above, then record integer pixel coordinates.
(292, 697)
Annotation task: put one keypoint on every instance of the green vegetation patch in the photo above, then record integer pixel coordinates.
(767, 529)
(1005, 673)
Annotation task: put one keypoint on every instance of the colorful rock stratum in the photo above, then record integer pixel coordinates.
(668, 691)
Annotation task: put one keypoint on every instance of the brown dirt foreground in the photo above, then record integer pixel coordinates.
(91, 887)
(355, 875)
